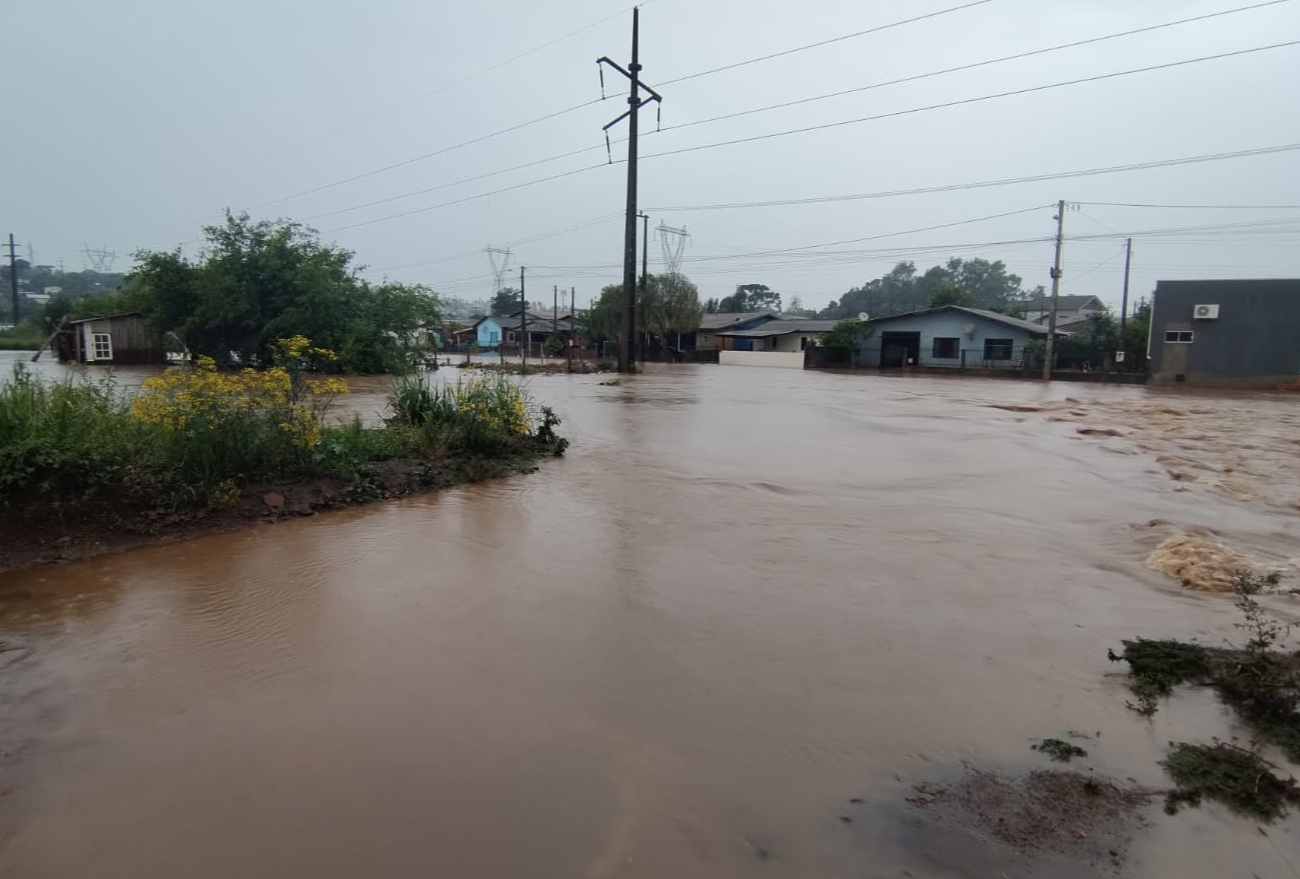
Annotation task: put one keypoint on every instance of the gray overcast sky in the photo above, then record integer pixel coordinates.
(138, 121)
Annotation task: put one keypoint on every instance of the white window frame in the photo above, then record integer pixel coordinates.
(104, 339)
(1177, 337)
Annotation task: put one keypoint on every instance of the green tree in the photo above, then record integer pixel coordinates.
(260, 281)
(506, 301)
(950, 294)
(600, 324)
(712, 306)
(669, 304)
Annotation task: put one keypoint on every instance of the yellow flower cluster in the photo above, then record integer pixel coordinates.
(498, 404)
(200, 397)
(329, 386)
(295, 349)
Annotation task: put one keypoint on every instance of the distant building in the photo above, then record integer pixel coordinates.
(1069, 309)
(788, 336)
(1226, 333)
(951, 336)
(713, 323)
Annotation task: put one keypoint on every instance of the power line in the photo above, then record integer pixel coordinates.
(873, 30)
(976, 100)
(1005, 181)
(429, 155)
(414, 193)
(878, 237)
(1194, 207)
(973, 66)
(500, 64)
(557, 113)
(468, 198)
(822, 127)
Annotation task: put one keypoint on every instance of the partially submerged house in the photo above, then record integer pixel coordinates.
(1235, 333)
(711, 324)
(119, 339)
(772, 343)
(951, 336)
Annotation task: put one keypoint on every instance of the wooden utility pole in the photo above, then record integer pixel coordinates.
(523, 325)
(627, 297)
(13, 276)
(555, 310)
(1056, 290)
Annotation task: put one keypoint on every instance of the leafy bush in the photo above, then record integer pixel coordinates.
(486, 415)
(61, 438)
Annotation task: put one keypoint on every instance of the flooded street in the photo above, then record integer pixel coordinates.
(743, 598)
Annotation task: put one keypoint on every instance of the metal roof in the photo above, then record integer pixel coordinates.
(1069, 303)
(724, 319)
(1016, 322)
(85, 320)
(783, 327)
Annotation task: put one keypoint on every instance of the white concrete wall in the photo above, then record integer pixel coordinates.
(762, 358)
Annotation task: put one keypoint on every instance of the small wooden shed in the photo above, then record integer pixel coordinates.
(114, 338)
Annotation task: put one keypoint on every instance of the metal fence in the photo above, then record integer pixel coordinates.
(991, 357)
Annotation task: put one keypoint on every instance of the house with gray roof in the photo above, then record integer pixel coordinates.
(713, 323)
(951, 336)
(787, 335)
(1069, 309)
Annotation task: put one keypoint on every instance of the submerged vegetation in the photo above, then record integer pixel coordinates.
(1059, 750)
(1259, 681)
(1240, 779)
(197, 438)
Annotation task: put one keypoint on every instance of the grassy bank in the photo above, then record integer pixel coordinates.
(19, 340)
(86, 464)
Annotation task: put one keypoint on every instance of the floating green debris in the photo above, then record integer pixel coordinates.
(1059, 750)
(1240, 779)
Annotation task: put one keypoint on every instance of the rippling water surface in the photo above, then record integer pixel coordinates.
(744, 597)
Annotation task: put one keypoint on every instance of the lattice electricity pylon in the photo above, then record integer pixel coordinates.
(99, 259)
(500, 258)
(674, 244)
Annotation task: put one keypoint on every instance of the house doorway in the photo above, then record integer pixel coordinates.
(899, 349)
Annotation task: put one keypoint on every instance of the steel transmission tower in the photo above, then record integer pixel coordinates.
(674, 245)
(500, 259)
(99, 259)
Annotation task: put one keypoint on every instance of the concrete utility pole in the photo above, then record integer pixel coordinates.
(1056, 290)
(523, 325)
(1123, 312)
(627, 298)
(555, 309)
(645, 270)
(13, 276)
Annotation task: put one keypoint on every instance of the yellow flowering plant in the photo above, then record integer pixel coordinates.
(220, 424)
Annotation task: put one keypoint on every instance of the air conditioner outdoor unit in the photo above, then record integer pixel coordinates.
(1206, 312)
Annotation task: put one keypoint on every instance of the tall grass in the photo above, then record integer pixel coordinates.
(193, 435)
(488, 415)
(65, 438)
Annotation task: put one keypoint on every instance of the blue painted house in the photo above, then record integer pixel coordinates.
(489, 333)
(952, 336)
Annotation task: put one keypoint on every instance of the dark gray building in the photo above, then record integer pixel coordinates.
(1226, 333)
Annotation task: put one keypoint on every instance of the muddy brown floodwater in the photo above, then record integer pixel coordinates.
(745, 597)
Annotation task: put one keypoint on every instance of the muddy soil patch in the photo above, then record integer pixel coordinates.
(1081, 817)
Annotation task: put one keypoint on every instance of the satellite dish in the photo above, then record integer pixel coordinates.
(862, 315)
(969, 329)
